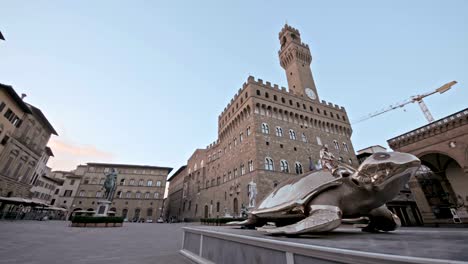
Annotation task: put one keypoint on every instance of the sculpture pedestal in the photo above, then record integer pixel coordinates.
(102, 208)
(231, 245)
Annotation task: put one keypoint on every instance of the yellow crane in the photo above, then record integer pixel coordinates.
(413, 99)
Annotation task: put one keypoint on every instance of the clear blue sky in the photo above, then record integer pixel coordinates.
(144, 81)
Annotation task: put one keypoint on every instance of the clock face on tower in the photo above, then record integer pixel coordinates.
(309, 92)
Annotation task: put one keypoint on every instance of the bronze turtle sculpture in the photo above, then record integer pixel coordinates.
(320, 201)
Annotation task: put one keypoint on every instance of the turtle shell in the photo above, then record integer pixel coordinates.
(294, 193)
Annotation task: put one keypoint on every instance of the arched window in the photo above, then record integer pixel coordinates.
(138, 195)
(141, 182)
(132, 182)
(128, 195)
(124, 213)
(258, 92)
(265, 128)
(98, 194)
(242, 169)
(82, 194)
(304, 138)
(156, 195)
(298, 166)
(319, 141)
(284, 166)
(350, 161)
(149, 183)
(248, 131)
(217, 207)
(345, 147)
(337, 146)
(292, 134)
(122, 182)
(119, 194)
(147, 195)
(251, 165)
(269, 164)
(158, 183)
(279, 131)
(86, 180)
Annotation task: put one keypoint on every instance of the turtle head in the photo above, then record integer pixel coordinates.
(388, 171)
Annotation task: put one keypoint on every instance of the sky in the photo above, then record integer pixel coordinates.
(143, 82)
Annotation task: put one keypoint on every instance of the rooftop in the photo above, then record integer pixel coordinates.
(10, 91)
(182, 168)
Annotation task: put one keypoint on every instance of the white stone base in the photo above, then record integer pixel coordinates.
(102, 208)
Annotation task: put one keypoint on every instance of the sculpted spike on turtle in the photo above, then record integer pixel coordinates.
(320, 201)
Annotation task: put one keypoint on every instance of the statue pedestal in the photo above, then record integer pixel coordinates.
(102, 208)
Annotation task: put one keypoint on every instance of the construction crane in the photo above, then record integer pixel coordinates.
(413, 99)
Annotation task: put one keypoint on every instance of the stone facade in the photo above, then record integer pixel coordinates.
(441, 187)
(25, 132)
(266, 134)
(139, 193)
(174, 200)
(44, 187)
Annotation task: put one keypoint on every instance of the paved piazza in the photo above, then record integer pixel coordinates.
(35, 242)
(54, 242)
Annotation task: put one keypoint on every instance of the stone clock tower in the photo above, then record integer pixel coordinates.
(295, 58)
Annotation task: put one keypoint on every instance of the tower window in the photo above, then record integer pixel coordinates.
(290, 102)
(290, 73)
(267, 95)
(284, 166)
(298, 166)
(269, 164)
(292, 134)
(265, 128)
(258, 92)
(279, 131)
(282, 100)
(275, 98)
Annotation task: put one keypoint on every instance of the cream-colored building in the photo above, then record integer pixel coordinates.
(24, 134)
(139, 192)
(44, 187)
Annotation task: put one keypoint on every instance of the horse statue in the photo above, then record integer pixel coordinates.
(110, 184)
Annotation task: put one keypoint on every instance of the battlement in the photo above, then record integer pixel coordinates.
(288, 28)
(273, 87)
(213, 145)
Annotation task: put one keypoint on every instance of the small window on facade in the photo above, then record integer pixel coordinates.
(269, 164)
(290, 102)
(319, 141)
(149, 183)
(265, 128)
(242, 168)
(235, 172)
(98, 194)
(337, 146)
(72, 182)
(275, 98)
(298, 166)
(156, 195)
(128, 195)
(292, 134)
(141, 183)
(345, 147)
(241, 137)
(132, 182)
(304, 138)
(122, 182)
(267, 95)
(147, 195)
(279, 132)
(158, 183)
(284, 166)
(282, 100)
(138, 195)
(251, 167)
(248, 131)
(258, 92)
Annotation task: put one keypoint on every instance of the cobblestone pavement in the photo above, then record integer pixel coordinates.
(35, 242)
